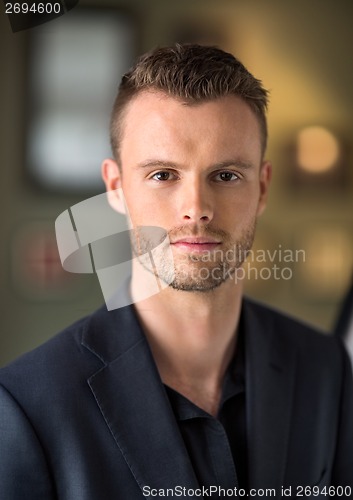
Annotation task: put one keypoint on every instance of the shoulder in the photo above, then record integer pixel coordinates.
(312, 345)
(270, 317)
(75, 353)
(70, 335)
(320, 361)
(49, 364)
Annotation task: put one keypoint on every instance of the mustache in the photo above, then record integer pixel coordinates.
(187, 231)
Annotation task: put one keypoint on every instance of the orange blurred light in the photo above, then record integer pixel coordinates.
(317, 149)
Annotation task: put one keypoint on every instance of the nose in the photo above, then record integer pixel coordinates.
(196, 203)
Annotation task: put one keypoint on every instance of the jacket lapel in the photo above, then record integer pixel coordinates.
(270, 377)
(134, 403)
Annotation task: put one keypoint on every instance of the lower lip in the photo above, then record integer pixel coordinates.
(196, 247)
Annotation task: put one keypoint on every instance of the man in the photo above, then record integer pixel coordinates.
(193, 391)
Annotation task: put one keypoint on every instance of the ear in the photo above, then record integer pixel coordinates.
(111, 175)
(265, 180)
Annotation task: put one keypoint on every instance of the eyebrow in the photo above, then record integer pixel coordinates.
(242, 164)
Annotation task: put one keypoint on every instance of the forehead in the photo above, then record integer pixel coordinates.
(224, 126)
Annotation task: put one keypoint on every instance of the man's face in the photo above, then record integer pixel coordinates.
(196, 171)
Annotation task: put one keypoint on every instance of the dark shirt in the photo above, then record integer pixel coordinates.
(217, 446)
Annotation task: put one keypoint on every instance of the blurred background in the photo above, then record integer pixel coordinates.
(58, 82)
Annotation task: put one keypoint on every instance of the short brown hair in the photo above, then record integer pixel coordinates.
(192, 73)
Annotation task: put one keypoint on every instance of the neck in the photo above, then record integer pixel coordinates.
(192, 336)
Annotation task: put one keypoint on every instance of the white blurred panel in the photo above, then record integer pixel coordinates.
(76, 65)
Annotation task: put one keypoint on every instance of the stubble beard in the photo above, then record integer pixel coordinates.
(204, 272)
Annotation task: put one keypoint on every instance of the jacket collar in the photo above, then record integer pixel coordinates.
(137, 411)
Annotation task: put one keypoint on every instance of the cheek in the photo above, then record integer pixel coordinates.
(146, 209)
(240, 204)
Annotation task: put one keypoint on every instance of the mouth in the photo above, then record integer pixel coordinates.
(196, 244)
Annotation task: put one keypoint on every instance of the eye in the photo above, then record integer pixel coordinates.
(226, 176)
(163, 175)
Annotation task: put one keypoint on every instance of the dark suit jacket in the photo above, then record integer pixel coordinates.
(86, 417)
